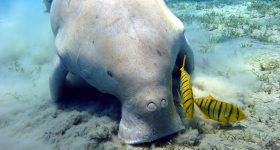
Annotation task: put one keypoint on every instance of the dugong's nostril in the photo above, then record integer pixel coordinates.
(163, 102)
(151, 106)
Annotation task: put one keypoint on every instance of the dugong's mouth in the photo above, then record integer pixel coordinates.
(152, 124)
(134, 132)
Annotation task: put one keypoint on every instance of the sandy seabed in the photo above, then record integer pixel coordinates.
(243, 70)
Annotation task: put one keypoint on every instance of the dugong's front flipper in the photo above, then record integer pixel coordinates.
(185, 49)
(57, 79)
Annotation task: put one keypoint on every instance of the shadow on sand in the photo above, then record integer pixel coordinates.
(89, 99)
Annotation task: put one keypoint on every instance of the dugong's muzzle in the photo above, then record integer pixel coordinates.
(149, 116)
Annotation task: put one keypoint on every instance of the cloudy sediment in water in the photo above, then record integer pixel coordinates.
(231, 64)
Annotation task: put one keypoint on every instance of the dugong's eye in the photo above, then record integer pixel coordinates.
(110, 73)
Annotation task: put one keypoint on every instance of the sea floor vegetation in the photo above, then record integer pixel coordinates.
(254, 18)
(246, 32)
(236, 46)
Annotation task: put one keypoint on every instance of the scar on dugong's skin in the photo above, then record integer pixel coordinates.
(127, 48)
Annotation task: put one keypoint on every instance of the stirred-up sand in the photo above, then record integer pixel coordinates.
(236, 60)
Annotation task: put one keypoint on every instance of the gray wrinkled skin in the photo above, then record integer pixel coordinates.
(127, 48)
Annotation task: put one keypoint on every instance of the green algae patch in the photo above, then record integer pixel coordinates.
(256, 19)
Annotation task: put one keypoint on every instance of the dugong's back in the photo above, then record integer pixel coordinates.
(102, 14)
(87, 31)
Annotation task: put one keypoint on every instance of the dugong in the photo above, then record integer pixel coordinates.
(127, 48)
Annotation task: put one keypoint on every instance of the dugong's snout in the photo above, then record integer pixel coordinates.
(148, 116)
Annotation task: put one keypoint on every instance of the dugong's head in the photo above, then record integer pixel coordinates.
(143, 73)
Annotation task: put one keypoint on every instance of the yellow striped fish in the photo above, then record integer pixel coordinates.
(186, 94)
(219, 111)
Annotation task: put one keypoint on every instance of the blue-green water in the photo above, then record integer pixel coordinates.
(236, 49)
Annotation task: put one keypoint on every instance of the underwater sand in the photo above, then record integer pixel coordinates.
(241, 68)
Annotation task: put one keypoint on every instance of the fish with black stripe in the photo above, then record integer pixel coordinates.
(220, 111)
(186, 94)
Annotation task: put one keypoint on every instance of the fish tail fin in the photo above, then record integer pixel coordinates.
(191, 112)
(196, 101)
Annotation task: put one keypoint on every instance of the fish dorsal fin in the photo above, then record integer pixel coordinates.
(210, 97)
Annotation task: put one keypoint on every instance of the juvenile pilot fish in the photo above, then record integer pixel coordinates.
(219, 111)
(186, 94)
